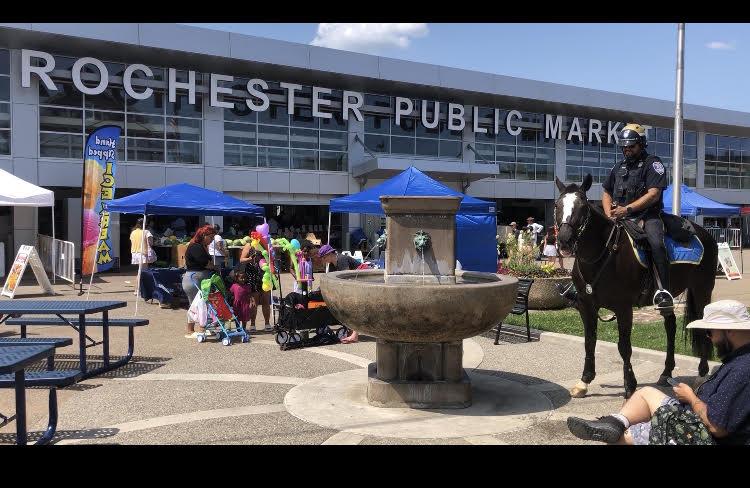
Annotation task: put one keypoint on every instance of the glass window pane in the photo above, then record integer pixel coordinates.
(724, 142)
(545, 172)
(273, 157)
(450, 149)
(379, 124)
(689, 137)
(95, 119)
(303, 117)
(304, 138)
(184, 129)
(487, 151)
(710, 167)
(402, 145)
(712, 140)
(183, 152)
(333, 161)
(710, 181)
(377, 101)
(524, 171)
(573, 173)
(239, 133)
(429, 147)
(152, 105)
(240, 112)
(249, 156)
(304, 159)
(449, 134)
(4, 88)
(405, 128)
(711, 154)
(745, 144)
(4, 62)
(275, 114)
(145, 150)
(4, 115)
(151, 126)
(232, 155)
(735, 143)
(269, 135)
(505, 153)
(422, 131)
(574, 157)
(60, 120)
(507, 171)
(4, 142)
(66, 95)
(334, 141)
(182, 108)
(378, 143)
(527, 137)
(545, 156)
(663, 135)
(336, 122)
(112, 98)
(690, 152)
(60, 145)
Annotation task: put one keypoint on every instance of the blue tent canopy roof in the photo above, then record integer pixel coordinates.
(183, 199)
(410, 182)
(693, 203)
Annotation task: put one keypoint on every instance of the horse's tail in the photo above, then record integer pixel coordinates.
(699, 343)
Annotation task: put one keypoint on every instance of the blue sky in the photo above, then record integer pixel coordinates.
(587, 55)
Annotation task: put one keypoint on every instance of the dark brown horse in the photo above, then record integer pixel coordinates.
(608, 275)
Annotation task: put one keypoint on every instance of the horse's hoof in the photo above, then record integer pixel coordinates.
(577, 392)
(663, 381)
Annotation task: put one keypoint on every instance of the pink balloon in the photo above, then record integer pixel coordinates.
(262, 229)
(262, 263)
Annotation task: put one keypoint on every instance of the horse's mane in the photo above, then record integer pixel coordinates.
(597, 207)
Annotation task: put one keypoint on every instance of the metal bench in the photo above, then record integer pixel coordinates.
(521, 306)
(52, 341)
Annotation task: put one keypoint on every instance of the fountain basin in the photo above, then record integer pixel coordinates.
(417, 312)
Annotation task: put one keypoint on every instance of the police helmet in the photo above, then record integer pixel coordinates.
(632, 134)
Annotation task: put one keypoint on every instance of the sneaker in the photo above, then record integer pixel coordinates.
(604, 429)
(251, 328)
(194, 335)
(268, 328)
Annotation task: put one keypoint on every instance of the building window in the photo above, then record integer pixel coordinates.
(153, 130)
(4, 102)
(527, 156)
(727, 162)
(275, 139)
(409, 137)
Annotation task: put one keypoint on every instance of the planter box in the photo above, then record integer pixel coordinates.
(544, 294)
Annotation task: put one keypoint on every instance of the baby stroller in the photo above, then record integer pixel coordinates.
(312, 315)
(220, 315)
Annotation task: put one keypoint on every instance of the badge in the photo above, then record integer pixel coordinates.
(658, 167)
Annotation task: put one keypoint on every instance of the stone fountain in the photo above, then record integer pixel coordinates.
(419, 308)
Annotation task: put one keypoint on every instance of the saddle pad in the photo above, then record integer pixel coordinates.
(677, 253)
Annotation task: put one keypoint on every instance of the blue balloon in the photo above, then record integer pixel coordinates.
(295, 244)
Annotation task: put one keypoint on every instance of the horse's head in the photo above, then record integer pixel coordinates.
(571, 214)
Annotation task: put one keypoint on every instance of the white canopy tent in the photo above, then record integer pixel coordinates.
(15, 192)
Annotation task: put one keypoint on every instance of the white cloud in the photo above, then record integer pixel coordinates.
(727, 46)
(368, 38)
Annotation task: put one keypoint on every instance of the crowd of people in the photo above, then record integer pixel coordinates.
(530, 235)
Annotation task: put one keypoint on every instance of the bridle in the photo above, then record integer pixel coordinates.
(577, 233)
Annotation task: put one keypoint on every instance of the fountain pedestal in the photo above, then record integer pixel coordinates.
(418, 375)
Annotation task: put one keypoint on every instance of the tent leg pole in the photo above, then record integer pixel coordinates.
(214, 255)
(329, 235)
(54, 245)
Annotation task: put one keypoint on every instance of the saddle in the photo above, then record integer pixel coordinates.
(680, 241)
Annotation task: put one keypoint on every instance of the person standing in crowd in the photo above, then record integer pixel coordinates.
(273, 226)
(328, 255)
(535, 230)
(550, 249)
(218, 249)
(251, 258)
(199, 267)
(514, 230)
(305, 270)
(137, 256)
(242, 292)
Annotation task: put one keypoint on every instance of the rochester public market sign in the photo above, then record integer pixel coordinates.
(352, 100)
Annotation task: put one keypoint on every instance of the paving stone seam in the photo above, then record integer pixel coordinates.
(228, 377)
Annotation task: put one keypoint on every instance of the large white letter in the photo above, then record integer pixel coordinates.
(497, 121)
(595, 130)
(552, 129)
(317, 102)
(575, 130)
(360, 100)
(40, 71)
(517, 130)
(452, 116)
(290, 89)
(399, 111)
(174, 85)
(435, 120)
(258, 94)
(103, 76)
(127, 81)
(475, 115)
(612, 132)
(216, 89)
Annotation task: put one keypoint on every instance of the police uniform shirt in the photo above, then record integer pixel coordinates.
(652, 172)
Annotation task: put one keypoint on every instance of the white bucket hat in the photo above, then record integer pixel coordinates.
(723, 315)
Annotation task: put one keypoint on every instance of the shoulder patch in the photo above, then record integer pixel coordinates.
(658, 167)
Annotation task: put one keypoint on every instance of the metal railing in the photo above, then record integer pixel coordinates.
(731, 235)
(63, 257)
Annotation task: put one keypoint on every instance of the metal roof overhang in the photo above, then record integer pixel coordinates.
(383, 167)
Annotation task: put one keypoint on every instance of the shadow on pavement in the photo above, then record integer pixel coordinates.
(60, 435)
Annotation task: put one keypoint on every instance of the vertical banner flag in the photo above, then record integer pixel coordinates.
(99, 162)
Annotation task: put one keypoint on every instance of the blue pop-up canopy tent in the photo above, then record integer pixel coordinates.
(181, 199)
(476, 226)
(693, 204)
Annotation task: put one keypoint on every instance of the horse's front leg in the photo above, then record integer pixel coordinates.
(589, 316)
(624, 328)
(670, 324)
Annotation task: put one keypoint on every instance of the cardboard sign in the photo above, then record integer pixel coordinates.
(26, 255)
(726, 260)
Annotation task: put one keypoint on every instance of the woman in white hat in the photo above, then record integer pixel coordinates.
(718, 412)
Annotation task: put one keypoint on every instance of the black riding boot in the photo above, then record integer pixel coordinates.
(662, 298)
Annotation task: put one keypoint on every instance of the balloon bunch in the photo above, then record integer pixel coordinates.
(293, 249)
(261, 241)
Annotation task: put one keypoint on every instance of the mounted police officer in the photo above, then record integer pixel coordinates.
(633, 190)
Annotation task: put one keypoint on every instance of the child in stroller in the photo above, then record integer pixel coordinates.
(219, 316)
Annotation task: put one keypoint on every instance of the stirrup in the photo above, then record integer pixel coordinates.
(669, 299)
